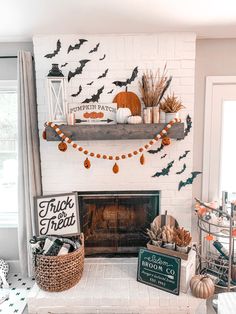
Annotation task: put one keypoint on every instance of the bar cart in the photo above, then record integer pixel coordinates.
(217, 235)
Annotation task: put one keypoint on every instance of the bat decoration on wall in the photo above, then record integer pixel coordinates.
(103, 57)
(155, 151)
(163, 156)
(63, 65)
(111, 91)
(76, 46)
(78, 70)
(182, 170)
(164, 171)
(188, 127)
(90, 83)
(95, 97)
(190, 180)
(128, 81)
(184, 154)
(95, 48)
(55, 52)
(103, 74)
(79, 91)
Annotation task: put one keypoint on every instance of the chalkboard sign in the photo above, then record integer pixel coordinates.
(57, 214)
(159, 270)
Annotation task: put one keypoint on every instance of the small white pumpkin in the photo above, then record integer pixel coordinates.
(134, 120)
(122, 115)
(202, 286)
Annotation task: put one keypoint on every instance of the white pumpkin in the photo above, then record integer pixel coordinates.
(122, 115)
(135, 120)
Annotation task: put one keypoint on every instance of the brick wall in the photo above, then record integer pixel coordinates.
(64, 172)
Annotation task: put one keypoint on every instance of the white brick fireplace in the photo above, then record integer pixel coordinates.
(65, 172)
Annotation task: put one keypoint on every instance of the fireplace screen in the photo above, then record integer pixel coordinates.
(116, 222)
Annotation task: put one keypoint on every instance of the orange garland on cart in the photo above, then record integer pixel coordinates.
(87, 164)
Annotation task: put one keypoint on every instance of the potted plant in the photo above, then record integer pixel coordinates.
(152, 87)
(171, 105)
(182, 239)
(167, 237)
(154, 234)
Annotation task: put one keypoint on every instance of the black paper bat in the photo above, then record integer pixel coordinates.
(182, 170)
(78, 70)
(95, 97)
(184, 154)
(76, 46)
(188, 127)
(190, 180)
(103, 57)
(128, 81)
(63, 65)
(90, 83)
(163, 156)
(103, 74)
(95, 48)
(110, 92)
(79, 91)
(55, 52)
(155, 151)
(164, 171)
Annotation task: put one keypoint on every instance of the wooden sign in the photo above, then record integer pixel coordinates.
(57, 214)
(94, 113)
(159, 270)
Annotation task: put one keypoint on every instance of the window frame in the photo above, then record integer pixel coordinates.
(208, 157)
(8, 220)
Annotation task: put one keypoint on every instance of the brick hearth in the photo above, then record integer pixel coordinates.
(109, 286)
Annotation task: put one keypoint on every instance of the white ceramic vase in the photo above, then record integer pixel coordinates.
(170, 116)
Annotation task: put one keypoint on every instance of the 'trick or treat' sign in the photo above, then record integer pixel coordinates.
(159, 270)
(57, 214)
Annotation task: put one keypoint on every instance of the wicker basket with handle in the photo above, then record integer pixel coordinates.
(59, 273)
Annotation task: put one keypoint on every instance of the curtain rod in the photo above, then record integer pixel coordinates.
(8, 57)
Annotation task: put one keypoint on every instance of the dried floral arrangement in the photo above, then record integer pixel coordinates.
(168, 234)
(171, 104)
(155, 233)
(159, 235)
(182, 237)
(153, 86)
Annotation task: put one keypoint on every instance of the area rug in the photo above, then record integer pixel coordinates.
(19, 289)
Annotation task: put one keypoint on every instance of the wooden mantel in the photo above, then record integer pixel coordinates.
(114, 132)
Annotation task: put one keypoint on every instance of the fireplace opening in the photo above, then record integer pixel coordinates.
(114, 223)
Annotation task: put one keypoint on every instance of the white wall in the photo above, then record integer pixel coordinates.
(64, 172)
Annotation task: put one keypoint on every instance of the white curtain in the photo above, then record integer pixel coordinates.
(29, 173)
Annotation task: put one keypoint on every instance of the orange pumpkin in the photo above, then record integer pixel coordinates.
(62, 146)
(166, 141)
(128, 100)
(202, 286)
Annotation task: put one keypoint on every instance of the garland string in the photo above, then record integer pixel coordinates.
(87, 163)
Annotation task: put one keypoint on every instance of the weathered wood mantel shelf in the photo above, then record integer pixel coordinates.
(114, 132)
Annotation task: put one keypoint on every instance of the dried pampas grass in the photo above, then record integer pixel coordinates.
(153, 86)
(171, 104)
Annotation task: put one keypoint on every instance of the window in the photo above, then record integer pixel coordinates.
(8, 154)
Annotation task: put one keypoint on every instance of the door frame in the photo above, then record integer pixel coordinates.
(211, 82)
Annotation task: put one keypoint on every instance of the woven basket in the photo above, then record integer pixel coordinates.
(59, 273)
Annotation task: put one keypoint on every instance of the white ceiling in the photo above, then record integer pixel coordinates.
(21, 19)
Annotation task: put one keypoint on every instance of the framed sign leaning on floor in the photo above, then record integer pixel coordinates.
(57, 215)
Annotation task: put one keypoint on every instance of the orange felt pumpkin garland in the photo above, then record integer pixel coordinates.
(87, 164)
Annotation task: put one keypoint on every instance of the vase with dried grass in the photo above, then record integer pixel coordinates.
(171, 105)
(152, 87)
